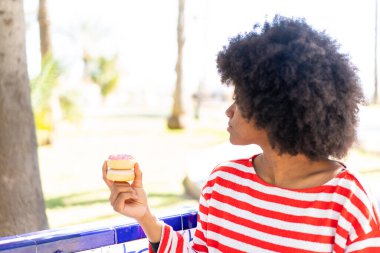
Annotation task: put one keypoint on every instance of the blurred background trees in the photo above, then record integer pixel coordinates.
(103, 72)
(45, 33)
(175, 121)
(42, 93)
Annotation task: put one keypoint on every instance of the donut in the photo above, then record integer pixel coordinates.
(120, 175)
(120, 167)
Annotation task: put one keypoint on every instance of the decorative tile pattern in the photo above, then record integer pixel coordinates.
(91, 239)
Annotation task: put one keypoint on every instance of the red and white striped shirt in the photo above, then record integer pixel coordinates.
(239, 212)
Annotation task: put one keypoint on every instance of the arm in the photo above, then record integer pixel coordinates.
(369, 243)
(131, 201)
(172, 241)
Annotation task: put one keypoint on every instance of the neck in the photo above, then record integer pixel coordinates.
(295, 172)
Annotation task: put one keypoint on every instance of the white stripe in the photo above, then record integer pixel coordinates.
(174, 241)
(360, 245)
(242, 246)
(213, 250)
(337, 198)
(297, 195)
(202, 217)
(286, 209)
(347, 226)
(275, 223)
(238, 166)
(273, 190)
(340, 241)
(199, 241)
(347, 184)
(170, 241)
(354, 210)
(207, 190)
(274, 239)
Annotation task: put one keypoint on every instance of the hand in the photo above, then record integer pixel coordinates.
(128, 199)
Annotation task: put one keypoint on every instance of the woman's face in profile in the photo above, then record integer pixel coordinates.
(242, 131)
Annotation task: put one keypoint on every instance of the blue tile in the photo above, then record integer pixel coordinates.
(174, 221)
(15, 244)
(68, 240)
(189, 220)
(88, 236)
(128, 232)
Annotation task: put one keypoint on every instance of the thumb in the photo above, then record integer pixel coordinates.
(137, 182)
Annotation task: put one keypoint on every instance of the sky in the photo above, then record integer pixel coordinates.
(143, 35)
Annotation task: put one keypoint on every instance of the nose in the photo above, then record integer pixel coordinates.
(230, 110)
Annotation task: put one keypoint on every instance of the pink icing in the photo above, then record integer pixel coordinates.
(121, 157)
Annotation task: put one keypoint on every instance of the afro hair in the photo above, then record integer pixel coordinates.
(293, 82)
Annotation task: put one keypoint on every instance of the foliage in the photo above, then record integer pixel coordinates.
(44, 92)
(42, 88)
(104, 72)
(68, 102)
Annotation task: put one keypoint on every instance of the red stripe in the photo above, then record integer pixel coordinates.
(271, 230)
(200, 248)
(353, 220)
(243, 236)
(342, 232)
(199, 234)
(179, 248)
(203, 209)
(164, 239)
(252, 241)
(278, 199)
(221, 247)
(275, 214)
(367, 250)
(338, 249)
(244, 162)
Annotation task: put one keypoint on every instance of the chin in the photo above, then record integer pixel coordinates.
(237, 143)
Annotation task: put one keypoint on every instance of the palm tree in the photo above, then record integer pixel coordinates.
(21, 199)
(44, 23)
(175, 121)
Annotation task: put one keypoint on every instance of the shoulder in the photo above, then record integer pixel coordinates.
(360, 201)
(232, 171)
(355, 183)
(238, 164)
(227, 174)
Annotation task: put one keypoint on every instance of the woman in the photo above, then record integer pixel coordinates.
(297, 97)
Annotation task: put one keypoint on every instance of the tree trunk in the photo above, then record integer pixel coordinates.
(21, 199)
(175, 121)
(43, 20)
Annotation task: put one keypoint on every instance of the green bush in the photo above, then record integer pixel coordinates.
(103, 72)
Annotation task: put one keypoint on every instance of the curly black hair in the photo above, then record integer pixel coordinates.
(292, 81)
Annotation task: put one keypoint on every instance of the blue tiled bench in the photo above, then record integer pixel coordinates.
(89, 236)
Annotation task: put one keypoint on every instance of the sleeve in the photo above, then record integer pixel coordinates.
(173, 242)
(368, 243)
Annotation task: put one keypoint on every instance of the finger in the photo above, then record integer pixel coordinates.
(104, 170)
(119, 203)
(137, 182)
(117, 188)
